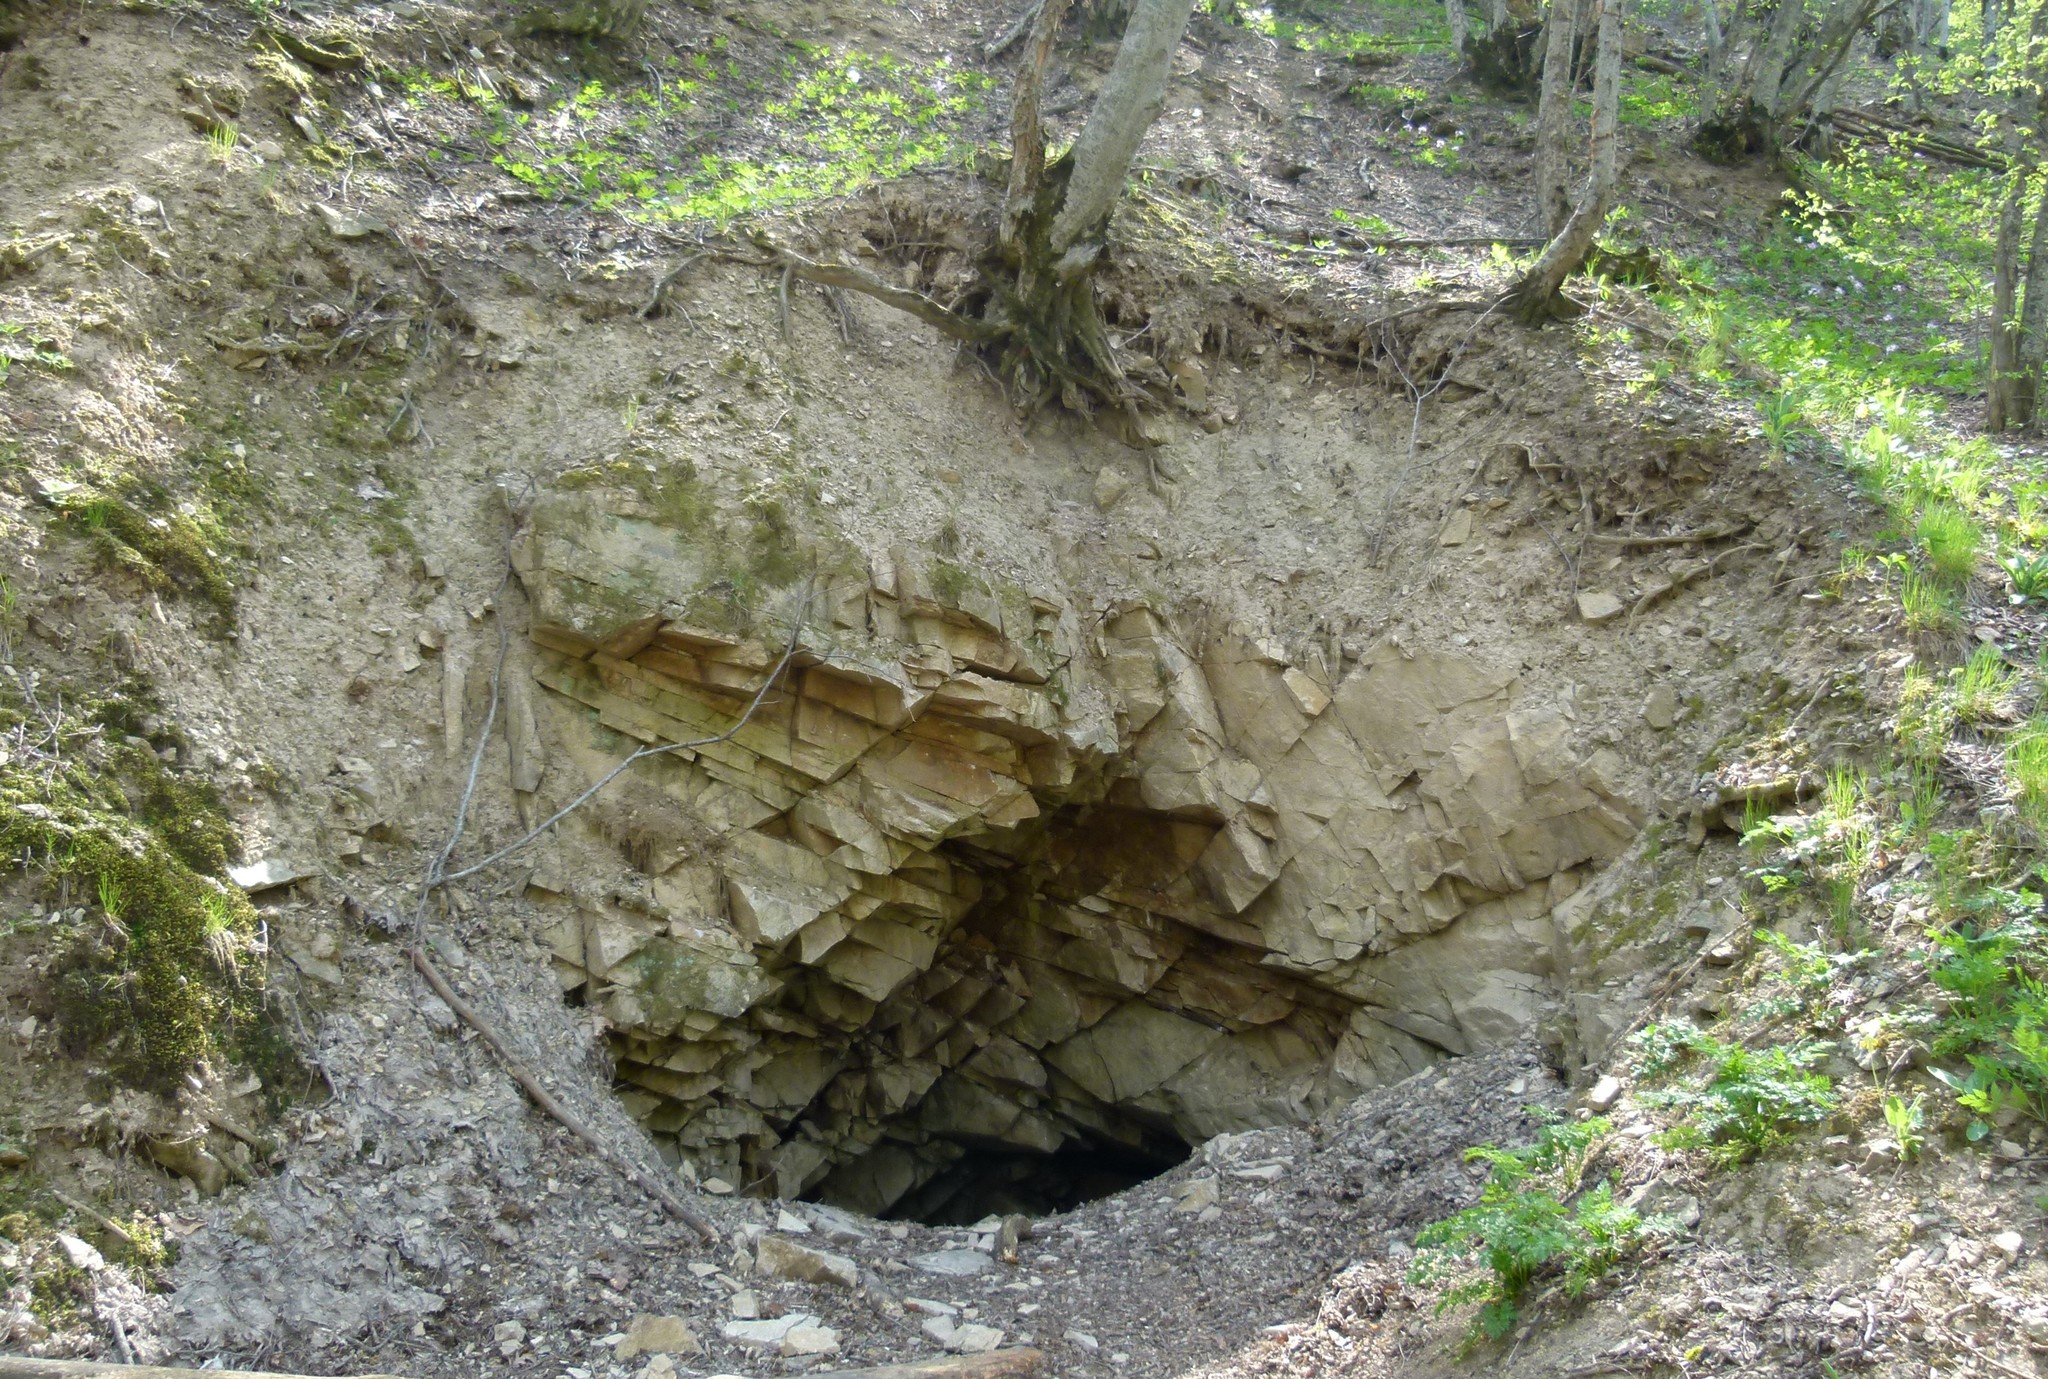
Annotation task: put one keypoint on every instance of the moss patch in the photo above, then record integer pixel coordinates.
(168, 972)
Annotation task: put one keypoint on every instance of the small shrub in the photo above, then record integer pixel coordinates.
(1907, 1120)
(1525, 1227)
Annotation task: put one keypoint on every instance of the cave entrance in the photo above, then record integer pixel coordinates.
(1000, 1181)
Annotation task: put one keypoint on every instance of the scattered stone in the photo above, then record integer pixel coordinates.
(1458, 530)
(839, 1227)
(344, 224)
(957, 1263)
(1083, 1340)
(1111, 484)
(1605, 1093)
(660, 1367)
(1196, 1195)
(1597, 605)
(746, 1304)
(78, 1254)
(650, 1335)
(510, 1336)
(775, 1257)
(786, 1220)
(2008, 1244)
(930, 1307)
(963, 1338)
(1660, 708)
(268, 874)
(800, 1333)
(1262, 1173)
(717, 1187)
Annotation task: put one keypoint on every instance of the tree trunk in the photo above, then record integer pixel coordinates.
(1717, 42)
(1537, 295)
(1130, 100)
(1999, 387)
(2033, 341)
(1461, 27)
(1769, 66)
(1553, 117)
(1027, 135)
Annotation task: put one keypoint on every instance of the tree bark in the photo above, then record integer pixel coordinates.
(1999, 387)
(1461, 26)
(1536, 296)
(1717, 41)
(1027, 134)
(2033, 341)
(1130, 100)
(1553, 116)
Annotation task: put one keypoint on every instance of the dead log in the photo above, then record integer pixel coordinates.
(23, 1367)
(549, 1103)
(995, 1364)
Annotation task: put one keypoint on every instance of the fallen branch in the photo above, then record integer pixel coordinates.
(547, 1102)
(995, 1364)
(106, 1222)
(1683, 538)
(25, 1367)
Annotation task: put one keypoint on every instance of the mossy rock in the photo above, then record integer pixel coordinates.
(581, 18)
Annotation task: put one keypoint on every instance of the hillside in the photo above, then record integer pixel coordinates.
(930, 842)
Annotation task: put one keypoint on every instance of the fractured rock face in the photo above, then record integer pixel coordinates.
(969, 878)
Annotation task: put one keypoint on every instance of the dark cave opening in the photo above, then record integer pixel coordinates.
(998, 1180)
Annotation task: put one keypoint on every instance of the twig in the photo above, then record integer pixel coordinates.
(27, 1367)
(108, 1222)
(1687, 538)
(752, 707)
(547, 1101)
(1827, 682)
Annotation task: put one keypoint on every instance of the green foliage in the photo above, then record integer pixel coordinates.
(1983, 685)
(2028, 571)
(2026, 762)
(839, 122)
(1997, 1016)
(1744, 1100)
(1527, 1226)
(1908, 1121)
(1927, 603)
(1951, 541)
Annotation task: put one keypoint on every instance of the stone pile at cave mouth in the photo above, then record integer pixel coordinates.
(992, 870)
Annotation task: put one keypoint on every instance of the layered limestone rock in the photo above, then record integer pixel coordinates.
(989, 870)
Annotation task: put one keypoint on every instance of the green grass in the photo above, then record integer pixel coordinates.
(1951, 540)
(1928, 604)
(831, 123)
(1983, 685)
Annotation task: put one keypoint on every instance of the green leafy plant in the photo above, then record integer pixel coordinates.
(1781, 419)
(2028, 572)
(1908, 1120)
(1744, 1100)
(2026, 762)
(1531, 1221)
(1927, 603)
(1997, 1016)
